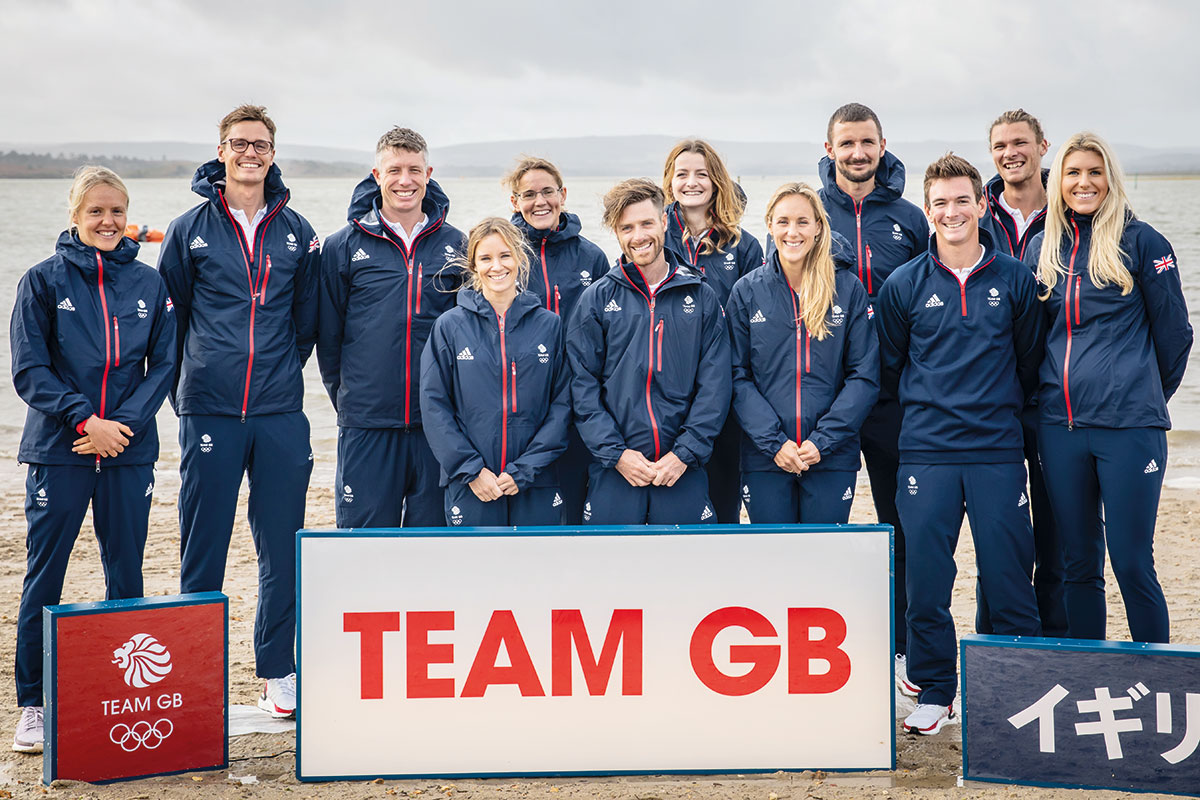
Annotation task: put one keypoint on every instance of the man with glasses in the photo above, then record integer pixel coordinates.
(242, 270)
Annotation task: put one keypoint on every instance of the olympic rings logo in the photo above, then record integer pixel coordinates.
(140, 734)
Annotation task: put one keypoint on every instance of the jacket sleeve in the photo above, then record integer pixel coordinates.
(860, 387)
(1029, 333)
(585, 354)
(34, 376)
(179, 274)
(551, 439)
(1162, 291)
(714, 387)
(140, 407)
(756, 416)
(306, 294)
(459, 460)
(892, 325)
(334, 293)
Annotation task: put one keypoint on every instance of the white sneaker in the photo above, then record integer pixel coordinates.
(928, 718)
(278, 697)
(30, 731)
(906, 687)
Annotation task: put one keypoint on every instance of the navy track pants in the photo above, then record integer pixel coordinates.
(612, 501)
(931, 501)
(724, 473)
(273, 450)
(387, 478)
(783, 498)
(56, 500)
(880, 437)
(1119, 470)
(573, 467)
(536, 505)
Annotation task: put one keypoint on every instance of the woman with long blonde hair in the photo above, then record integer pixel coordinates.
(1116, 350)
(805, 369)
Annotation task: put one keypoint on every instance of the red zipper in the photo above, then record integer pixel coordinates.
(1078, 285)
(514, 386)
(858, 228)
(660, 335)
(868, 249)
(1067, 309)
(693, 257)
(107, 343)
(557, 298)
(799, 355)
(503, 394)
(420, 284)
(117, 337)
(546, 273)
(262, 295)
(649, 298)
(807, 352)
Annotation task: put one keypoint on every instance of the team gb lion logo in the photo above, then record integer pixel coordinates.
(144, 660)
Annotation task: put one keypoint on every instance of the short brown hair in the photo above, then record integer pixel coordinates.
(1015, 116)
(246, 113)
(628, 193)
(527, 164)
(852, 112)
(952, 166)
(402, 139)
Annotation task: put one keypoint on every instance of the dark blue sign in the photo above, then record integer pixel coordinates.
(1081, 714)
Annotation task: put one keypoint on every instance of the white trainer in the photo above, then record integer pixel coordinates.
(30, 731)
(278, 697)
(906, 687)
(928, 718)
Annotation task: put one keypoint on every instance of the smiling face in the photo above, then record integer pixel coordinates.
(954, 210)
(1017, 153)
(1084, 181)
(248, 167)
(402, 176)
(100, 220)
(856, 148)
(794, 228)
(539, 199)
(641, 230)
(691, 185)
(497, 266)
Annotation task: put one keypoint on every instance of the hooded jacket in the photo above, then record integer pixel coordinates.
(884, 229)
(379, 300)
(650, 372)
(495, 391)
(246, 316)
(92, 332)
(788, 385)
(720, 269)
(564, 263)
(1113, 361)
(1001, 225)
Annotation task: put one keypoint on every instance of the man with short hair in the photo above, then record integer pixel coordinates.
(242, 270)
(385, 277)
(961, 338)
(652, 378)
(863, 188)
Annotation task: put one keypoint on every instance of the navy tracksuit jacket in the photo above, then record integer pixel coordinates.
(1003, 228)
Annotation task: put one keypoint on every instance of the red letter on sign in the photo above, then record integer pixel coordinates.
(566, 627)
(421, 653)
(801, 649)
(502, 629)
(764, 657)
(371, 625)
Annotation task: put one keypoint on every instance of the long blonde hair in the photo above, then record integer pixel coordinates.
(817, 278)
(511, 236)
(727, 207)
(1105, 264)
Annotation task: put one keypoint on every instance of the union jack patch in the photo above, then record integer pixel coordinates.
(170, 306)
(870, 311)
(1163, 264)
(315, 244)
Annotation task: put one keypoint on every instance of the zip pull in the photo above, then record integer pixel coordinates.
(660, 338)
(97, 464)
(1078, 284)
(807, 352)
(420, 279)
(262, 293)
(557, 298)
(514, 386)
(117, 340)
(869, 287)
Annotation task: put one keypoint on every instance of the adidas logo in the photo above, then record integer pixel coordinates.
(465, 355)
(557, 500)
(934, 302)
(1024, 501)
(360, 255)
(197, 243)
(150, 490)
(849, 495)
(65, 305)
(612, 306)
(758, 317)
(1151, 467)
(706, 513)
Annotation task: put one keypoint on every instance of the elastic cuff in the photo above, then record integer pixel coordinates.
(79, 428)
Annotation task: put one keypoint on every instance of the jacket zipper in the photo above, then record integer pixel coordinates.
(660, 337)
(503, 394)
(1067, 311)
(649, 377)
(799, 355)
(858, 229)
(693, 256)
(107, 343)
(514, 386)
(117, 339)
(262, 295)
(546, 274)
(557, 299)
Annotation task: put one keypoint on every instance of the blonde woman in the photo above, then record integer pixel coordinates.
(805, 369)
(495, 394)
(1116, 350)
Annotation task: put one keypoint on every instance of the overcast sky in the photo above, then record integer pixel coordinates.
(460, 71)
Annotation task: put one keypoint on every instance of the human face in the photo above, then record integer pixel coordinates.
(402, 177)
(539, 199)
(1084, 181)
(690, 183)
(794, 228)
(100, 220)
(954, 211)
(640, 231)
(496, 265)
(856, 149)
(248, 167)
(1017, 153)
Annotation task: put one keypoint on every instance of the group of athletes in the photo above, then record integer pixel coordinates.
(513, 377)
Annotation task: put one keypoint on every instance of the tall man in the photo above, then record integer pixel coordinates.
(863, 187)
(242, 269)
(649, 350)
(961, 337)
(385, 277)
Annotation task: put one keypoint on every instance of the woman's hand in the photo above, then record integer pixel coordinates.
(486, 487)
(789, 459)
(507, 483)
(103, 437)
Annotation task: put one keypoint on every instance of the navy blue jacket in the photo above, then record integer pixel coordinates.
(964, 357)
(379, 301)
(246, 322)
(564, 263)
(885, 229)
(495, 391)
(650, 374)
(92, 332)
(1113, 361)
(720, 269)
(1001, 225)
(788, 385)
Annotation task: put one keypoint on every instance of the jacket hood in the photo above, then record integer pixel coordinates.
(366, 197)
(473, 301)
(889, 180)
(210, 179)
(569, 227)
(996, 185)
(83, 256)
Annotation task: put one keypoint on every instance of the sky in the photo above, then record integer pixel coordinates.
(459, 71)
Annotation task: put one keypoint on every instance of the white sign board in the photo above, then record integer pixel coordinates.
(554, 651)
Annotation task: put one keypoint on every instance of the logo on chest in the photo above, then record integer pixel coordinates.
(897, 234)
(543, 354)
(837, 316)
(993, 297)
(585, 277)
(292, 244)
(689, 305)
(730, 261)
(142, 310)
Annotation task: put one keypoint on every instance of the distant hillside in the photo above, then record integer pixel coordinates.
(47, 165)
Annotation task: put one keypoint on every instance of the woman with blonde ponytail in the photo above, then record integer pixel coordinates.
(805, 369)
(1116, 350)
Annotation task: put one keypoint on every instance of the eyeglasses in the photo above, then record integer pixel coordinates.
(546, 194)
(261, 146)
